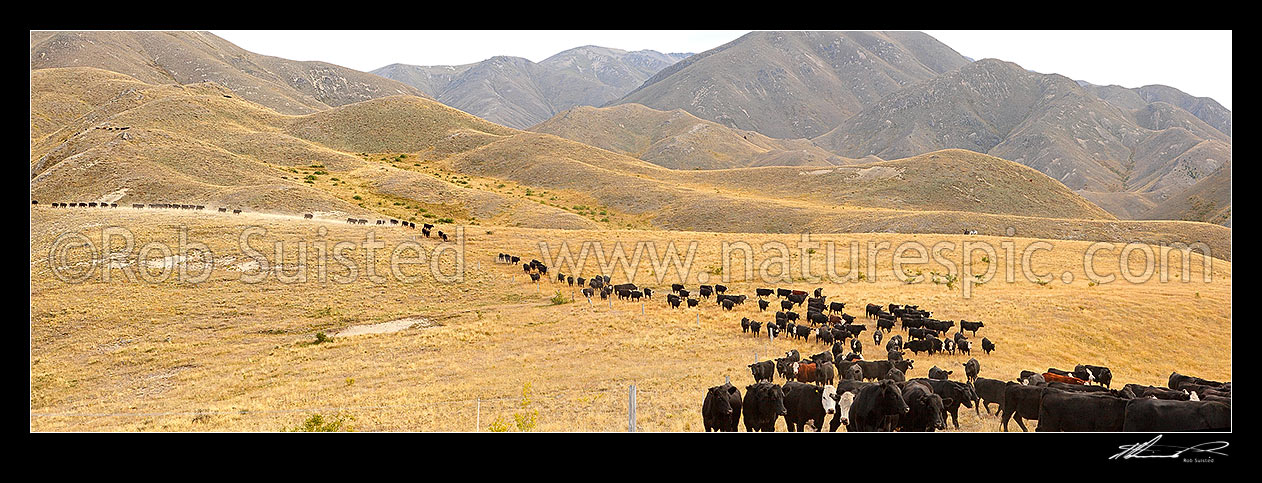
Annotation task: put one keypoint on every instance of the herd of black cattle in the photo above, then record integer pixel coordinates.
(874, 395)
(425, 228)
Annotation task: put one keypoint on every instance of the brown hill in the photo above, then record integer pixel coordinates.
(289, 87)
(795, 84)
(679, 140)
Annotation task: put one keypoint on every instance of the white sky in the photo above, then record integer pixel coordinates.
(1196, 62)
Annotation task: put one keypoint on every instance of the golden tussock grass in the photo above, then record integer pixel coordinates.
(228, 356)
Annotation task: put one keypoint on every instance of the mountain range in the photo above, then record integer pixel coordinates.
(767, 99)
(518, 93)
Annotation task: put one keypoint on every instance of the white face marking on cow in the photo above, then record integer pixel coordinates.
(846, 400)
(1193, 397)
(830, 399)
(1090, 376)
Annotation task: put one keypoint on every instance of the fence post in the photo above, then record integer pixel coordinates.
(631, 413)
(478, 428)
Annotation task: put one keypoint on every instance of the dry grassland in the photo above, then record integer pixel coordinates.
(225, 355)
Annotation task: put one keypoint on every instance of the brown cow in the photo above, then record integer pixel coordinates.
(1053, 377)
(806, 372)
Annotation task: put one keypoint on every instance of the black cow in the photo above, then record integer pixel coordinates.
(937, 373)
(971, 326)
(755, 327)
(785, 305)
(816, 318)
(990, 391)
(1098, 374)
(1074, 411)
(875, 370)
(873, 405)
(987, 345)
(1158, 415)
(836, 306)
(803, 332)
(918, 346)
(853, 372)
(876, 338)
(953, 395)
(693, 303)
(1021, 401)
(805, 403)
(965, 347)
(762, 305)
(1158, 392)
(895, 343)
(971, 369)
(721, 409)
(763, 292)
(720, 289)
(895, 375)
(885, 324)
(1177, 381)
(764, 402)
(705, 291)
(925, 409)
(673, 300)
(648, 292)
(727, 305)
(762, 370)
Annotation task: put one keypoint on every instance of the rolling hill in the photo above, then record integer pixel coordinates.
(289, 87)
(412, 158)
(679, 140)
(518, 93)
(794, 84)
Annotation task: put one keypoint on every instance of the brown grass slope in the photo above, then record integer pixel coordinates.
(223, 355)
(795, 84)
(948, 180)
(200, 144)
(290, 87)
(679, 140)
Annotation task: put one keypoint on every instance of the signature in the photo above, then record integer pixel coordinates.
(1151, 449)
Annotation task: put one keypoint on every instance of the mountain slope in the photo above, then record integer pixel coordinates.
(794, 84)
(1126, 160)
(289, 87)
(1204, 108)
(516, 92)
(679, 140)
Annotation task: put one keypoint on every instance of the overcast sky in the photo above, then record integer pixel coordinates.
(1196, 62)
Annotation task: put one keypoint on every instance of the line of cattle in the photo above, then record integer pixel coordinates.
(425, 228)
(1060, 400)
(923, 404)
(167, 206)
